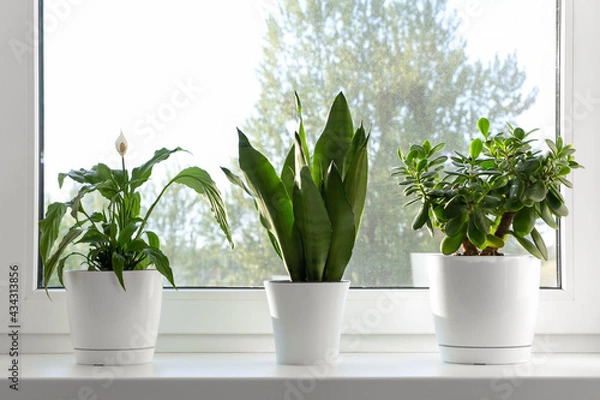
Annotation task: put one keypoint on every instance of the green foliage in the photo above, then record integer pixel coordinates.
(311, 211)
(404, 66)
(502, 187)
(115, 236)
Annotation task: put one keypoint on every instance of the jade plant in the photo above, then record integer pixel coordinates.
(501, 188)
(312, 210)
(116, 235)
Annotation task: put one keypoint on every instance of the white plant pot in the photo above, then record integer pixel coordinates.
(484, 308)
(110, 326)
(307, 318)
(418, 267)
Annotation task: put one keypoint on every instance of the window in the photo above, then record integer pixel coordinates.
(189, 72)
(390, 312)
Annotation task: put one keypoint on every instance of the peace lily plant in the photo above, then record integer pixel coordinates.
(501, 188)
(312, 210)
(116, 236)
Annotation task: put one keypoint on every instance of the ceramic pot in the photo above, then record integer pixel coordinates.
(484, 308)
(111, 326)
(307, 318)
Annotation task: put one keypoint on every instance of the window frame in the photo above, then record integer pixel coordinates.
(234, 314)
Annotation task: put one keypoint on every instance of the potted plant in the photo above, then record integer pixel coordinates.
(312, 212)
(484, 305)
(114, 304)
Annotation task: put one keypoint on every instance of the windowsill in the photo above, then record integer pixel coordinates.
(251, 376)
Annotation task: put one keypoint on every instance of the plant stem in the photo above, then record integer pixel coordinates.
(500, 232)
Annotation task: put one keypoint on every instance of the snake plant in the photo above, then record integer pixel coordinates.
(312, 210)
(501, 188)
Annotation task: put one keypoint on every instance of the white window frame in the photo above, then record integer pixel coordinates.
(237, 320)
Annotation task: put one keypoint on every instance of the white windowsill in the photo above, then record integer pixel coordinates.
(252, 376)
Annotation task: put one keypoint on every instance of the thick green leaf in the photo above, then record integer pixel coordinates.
(301, 131)
(536, 192)
(546, 214)
(528, 245)
(481, 222)
(274, 206)
(475, 148)
(556, 204)
(288, 172)
(524, 221)
(451, 244)
(358, 141)
(342, 224)
(421, 217)
(454, 226)
(314, 225)
(199, 180)
(484, 126)
(538, 240)
(494, 241)
(118, 265)
(355, 182)
(141, 174)
(476, 236)
(161, 262)
(335, 140)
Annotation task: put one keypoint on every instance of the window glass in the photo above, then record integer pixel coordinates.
(187, 73)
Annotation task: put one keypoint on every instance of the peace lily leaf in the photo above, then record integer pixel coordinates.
(118, 264)
(161, 262)
(141, 174)
(50, 227)
(51, 263)
(199, 180)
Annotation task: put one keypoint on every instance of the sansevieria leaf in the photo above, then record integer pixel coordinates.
(333, 143)
(342, 224)
(314, 225)
(274, 205)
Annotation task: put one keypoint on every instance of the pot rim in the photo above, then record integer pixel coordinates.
(82, 271)
(289, 282)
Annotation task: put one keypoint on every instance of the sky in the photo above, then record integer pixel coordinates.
(183, 73)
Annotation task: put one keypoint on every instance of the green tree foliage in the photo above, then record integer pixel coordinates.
(405, 68)
(407, 71)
